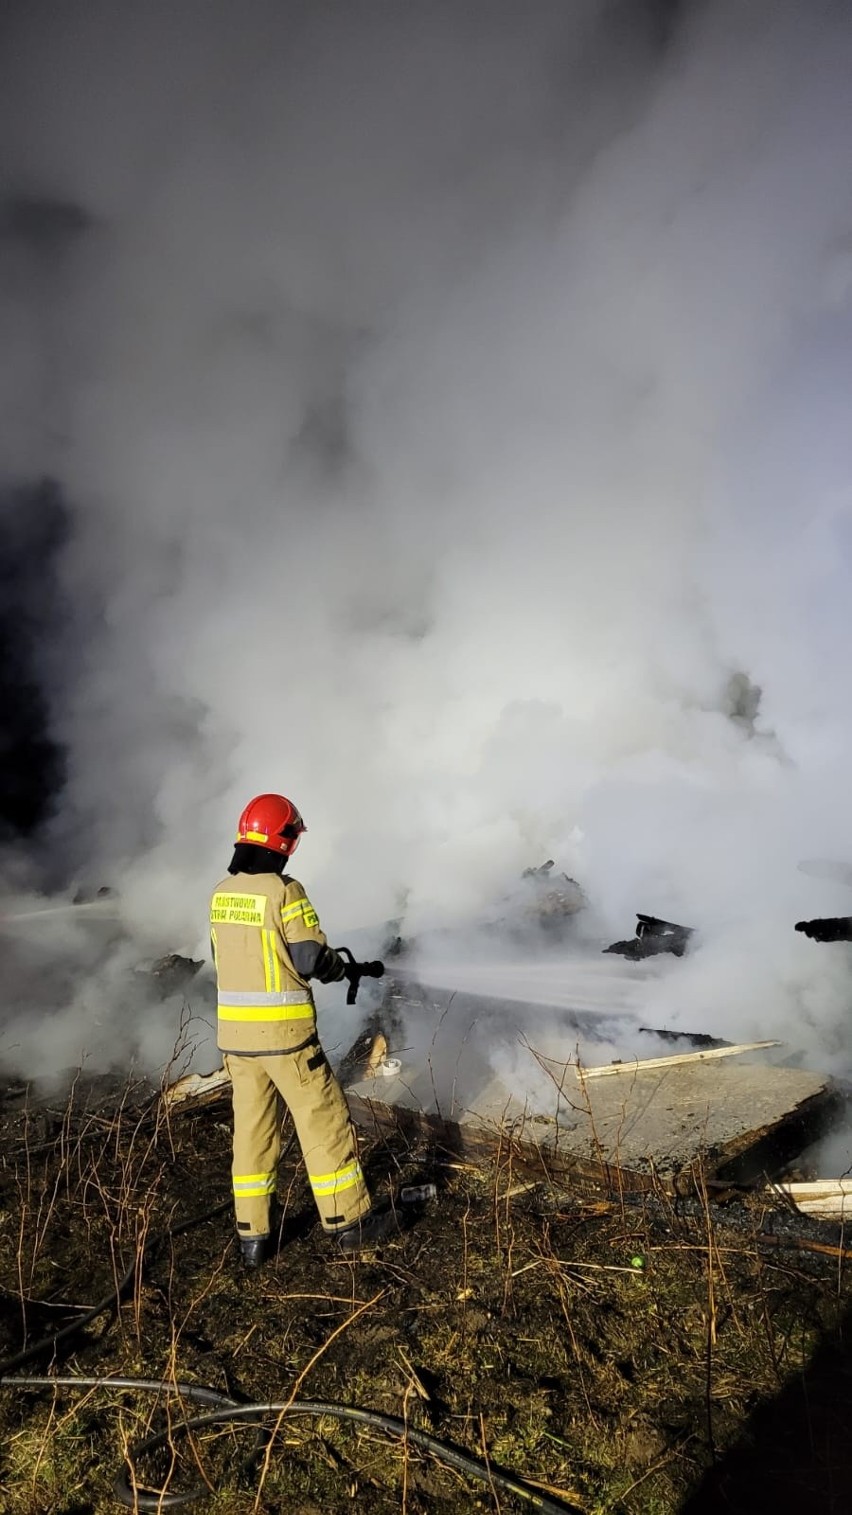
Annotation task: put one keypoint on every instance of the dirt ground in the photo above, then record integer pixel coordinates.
(618, 1354)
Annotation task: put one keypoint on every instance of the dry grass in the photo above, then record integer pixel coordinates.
(510, 1321)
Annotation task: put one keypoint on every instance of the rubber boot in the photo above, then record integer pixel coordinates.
(374, 1227)
(254, 1250)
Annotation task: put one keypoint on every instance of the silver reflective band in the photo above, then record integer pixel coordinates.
(260, 997)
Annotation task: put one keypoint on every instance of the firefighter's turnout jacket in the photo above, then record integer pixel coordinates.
(267, 945)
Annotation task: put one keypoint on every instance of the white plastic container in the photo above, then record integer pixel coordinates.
(416, 1194)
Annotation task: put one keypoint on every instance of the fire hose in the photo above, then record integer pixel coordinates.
(222, 1409)
(227, 1411)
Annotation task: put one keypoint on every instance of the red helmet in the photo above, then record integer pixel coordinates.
(271, 821)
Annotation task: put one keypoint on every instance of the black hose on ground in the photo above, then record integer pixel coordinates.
(226, 1411)
(126, 1492)
(193, 1391)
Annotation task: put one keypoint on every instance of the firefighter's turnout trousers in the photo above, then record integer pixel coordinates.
(267, 1032)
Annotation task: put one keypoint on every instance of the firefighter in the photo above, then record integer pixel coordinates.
(267, 945)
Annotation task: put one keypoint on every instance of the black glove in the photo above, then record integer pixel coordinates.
(830, 928)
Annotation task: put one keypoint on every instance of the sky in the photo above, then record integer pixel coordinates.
(438, 414)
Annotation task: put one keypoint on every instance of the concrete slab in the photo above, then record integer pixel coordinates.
(734, 1122)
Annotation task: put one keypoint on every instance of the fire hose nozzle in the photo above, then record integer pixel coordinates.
(356, 971)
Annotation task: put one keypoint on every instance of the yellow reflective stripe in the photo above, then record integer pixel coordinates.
(248, 1185)
(257, 997)
(264, 945)
(271, 965)
(302, 907)
(254, 836)
(237, 909)
(266, 1012)
(332, 1183)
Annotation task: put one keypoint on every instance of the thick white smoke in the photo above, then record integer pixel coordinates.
(451, 401)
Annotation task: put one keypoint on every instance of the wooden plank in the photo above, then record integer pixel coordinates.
(649, 1064)
(826, 1209)
(825, 1198)
(197, 1089)
(818, 1188)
